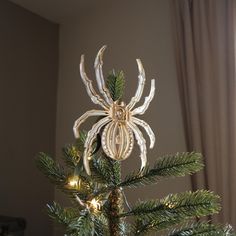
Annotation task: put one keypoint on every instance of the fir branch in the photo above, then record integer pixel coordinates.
(105, 170)
(61, 215)
(81, 140)
(116, 170)
(177, 165)
(100, 225)
(116, 83)
(58, 176)
(174, 209)
(102, 169)
(50, 169)
(71, 155)
(89, 224)
(145, 227)
(102, 191)
(203, 229)
(81, 226)
(187, 204)
(83, 192)
(124, 228)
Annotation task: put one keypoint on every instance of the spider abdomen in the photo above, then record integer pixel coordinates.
(117, 140)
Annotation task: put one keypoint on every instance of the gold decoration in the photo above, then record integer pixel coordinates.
(94, 205)
(74, 152)
(170, 205)
(74, 182)
(118, 120)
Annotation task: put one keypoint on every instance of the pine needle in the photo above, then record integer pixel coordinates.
(177, 165)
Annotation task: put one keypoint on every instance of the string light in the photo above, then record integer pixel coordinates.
(94, 205)
(170, 205)
(74, 182)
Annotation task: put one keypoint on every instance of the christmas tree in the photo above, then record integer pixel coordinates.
(91, 176)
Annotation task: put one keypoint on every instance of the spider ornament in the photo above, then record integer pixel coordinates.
(118, 119)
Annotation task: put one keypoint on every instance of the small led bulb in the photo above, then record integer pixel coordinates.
(74, 182)
(95, 205)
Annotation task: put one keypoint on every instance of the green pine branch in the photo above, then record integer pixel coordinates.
(173, 209)
(71, 156)
(116, 170)
(142, 228)
(101, 225)
(61, 215)
(203, 229)
(81, 140)
(177, 165)
(199, 203)
(79, 223)
(81, 226)
(58, 176)
(89, 224)
(102, 169)
(115, 84)
(50, 169)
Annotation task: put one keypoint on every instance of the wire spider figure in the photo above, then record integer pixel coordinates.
(118, 119)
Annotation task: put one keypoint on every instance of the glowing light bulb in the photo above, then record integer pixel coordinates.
(74, 182)
(170, 205)
(94, 204)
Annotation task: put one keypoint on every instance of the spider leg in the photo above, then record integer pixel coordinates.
(87, 114)
(88, 143)
(99, 76)
(140, 110)
(141, 142)
(140, 87)
(89, 87)
(147, 129)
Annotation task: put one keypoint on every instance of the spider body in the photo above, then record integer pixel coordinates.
(118, 112)
(119, 121)
(117, 137)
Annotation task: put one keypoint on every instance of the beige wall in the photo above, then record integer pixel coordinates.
(28, 75)
(131, 29)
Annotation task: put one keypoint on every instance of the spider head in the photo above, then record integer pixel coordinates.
(119, 112)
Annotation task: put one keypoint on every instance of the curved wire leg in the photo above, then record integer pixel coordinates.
(99, 76)
(147, 129)
(142, 144)
(89, 87)
(140, 87)
(88, 143)
(82, 119)
(140, 110)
